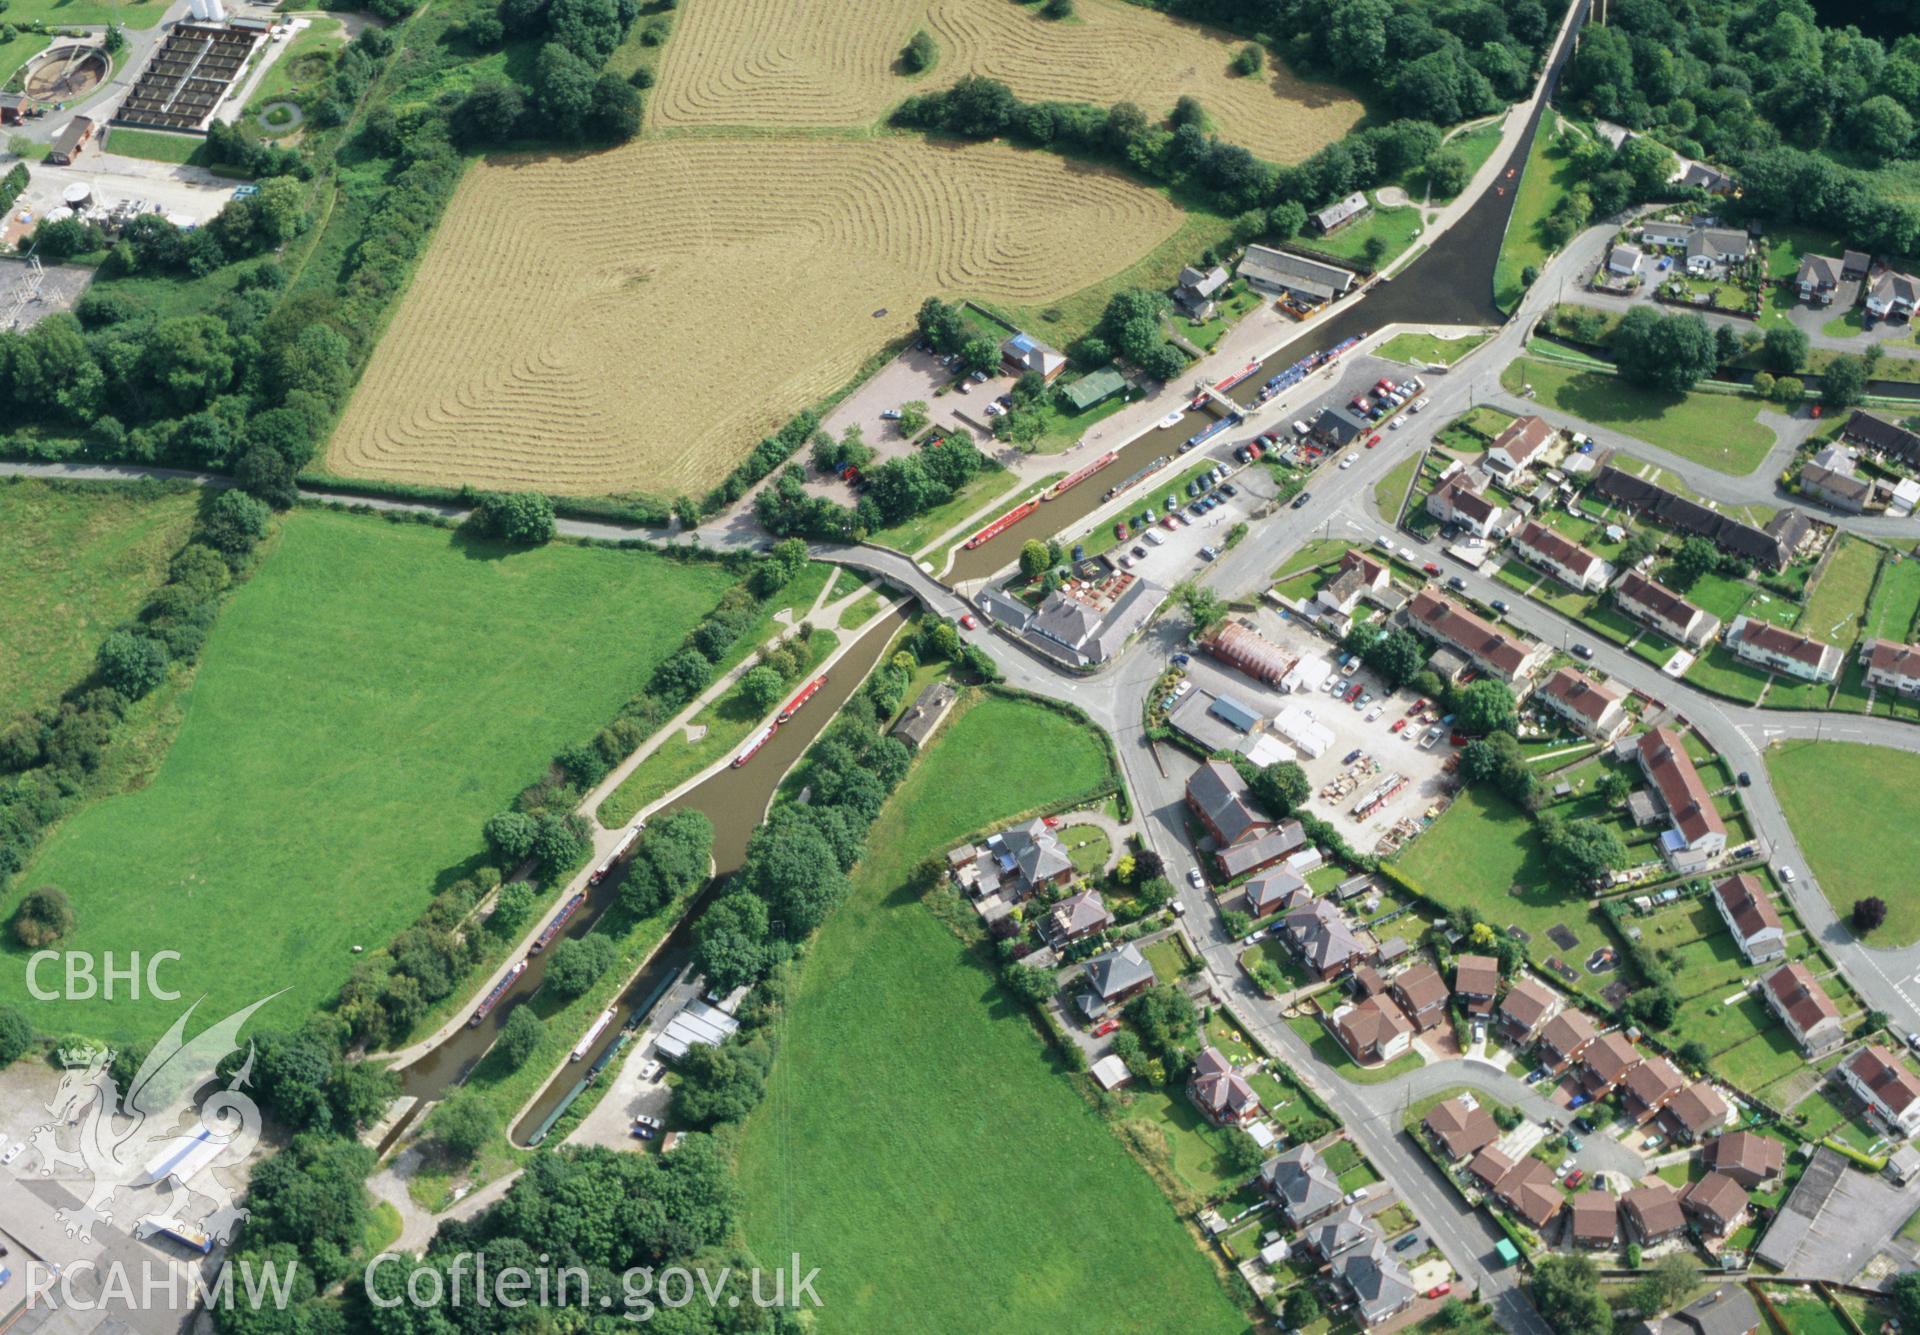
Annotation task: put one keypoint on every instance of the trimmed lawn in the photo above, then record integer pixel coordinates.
(1721, 673)
(1393, 229)
(1545, 180)
(301, 67)
(1834, 794)
(1896, 600)
(1390, 493)
(1315, 553)
(1475, 145)
(23, 46)
(1328, 1050)
(1718, 431)
(860, 611)
(1833, 1112)
(76, 561)
(888, 1161)
(365, 702)
(1168, 959)
(1089, 847)
(1837, 603)
(1429, 348)
(158, 146)
(74, 13)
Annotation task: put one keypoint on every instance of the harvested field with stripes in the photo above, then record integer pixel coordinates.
(635, 320)
(795, 63)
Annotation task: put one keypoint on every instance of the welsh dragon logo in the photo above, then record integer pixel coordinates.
(145, 1139)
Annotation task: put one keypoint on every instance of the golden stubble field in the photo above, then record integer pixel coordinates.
(794, 63)
(637, 319)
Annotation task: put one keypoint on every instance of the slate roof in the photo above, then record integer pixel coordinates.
(1038, 852)
(1276, 890)
(1880, 434)
(1322, 935)
(1377, 1282)
(1219, 792)
(1118, 970)
(1301, 1182)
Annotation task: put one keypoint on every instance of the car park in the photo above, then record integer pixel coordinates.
(1139, 552)
(1208, 552)
(1180, 691)
(1398, 724)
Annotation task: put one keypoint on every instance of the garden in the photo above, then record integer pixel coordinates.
(1718, 431)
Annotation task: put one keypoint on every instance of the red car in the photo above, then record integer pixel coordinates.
(967, 622)
(1373, 440)
(1051, 822)
(1576, 1177)
(1398, 724)
(1439, 1290)
(1431, 568)
(1106, 1027)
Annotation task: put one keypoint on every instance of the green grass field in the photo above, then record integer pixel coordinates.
(1392, 229)
(17, 51)
(913, 534)
(1429, 348)
(74, 563)
(918, 1142)
(1719, 431)
(1546, 179)
(1390, 493)
(302, 65)
(158, 146)
(1475, 145)
(75, 13)
(1896, 600)
(1835, 797)
(1836, 606)
(363, 704)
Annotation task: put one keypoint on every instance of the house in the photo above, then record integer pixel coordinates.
(1699, 176)
(1818, 277)
(1301, 1185)
(1341, 213)
(1892, 667)
(1217, 796)
(1748, 912)
(1658, 606)
(1257, 854)
(1854, 265)
(1366, 981)
(1241, 646)
(1079, 624)
(1422, 994)
(1623, 261)
(1276, 892)
(1531, 1192)
(1567, 1039)
(1023, 353)
(1697, 1110)
(1663, 234)
(1295, 275)
(1561, 557)
(67, 144)
(1893, 295)
(1781, 650)
(1773, 546)
(1607, 1063)
(1461, 1129)
(1725, 1311)
(1654, 1211)
(1492, 651)
(1338, 428)
(1077, 916)
(1711, 249)
(1876, 433)
(1746, 1157)
(1717, 1203)
(1489, 1167)
(1595, 1220)
(1651, 1085)
(1221, 1092)
(1373, 1030)
(1372, 1275)
(1338, 1234)
(1197, 287)
(1519, 443)
(1477, 979)
(1889, 1090)
(1842, 491)
(1039, 858)
(1319, 933)
(1804, 1007)
(1358, 575)
(1696, 837)
(1115, 978)
(1593, 710)
(1462, 500)
(1526, 1009)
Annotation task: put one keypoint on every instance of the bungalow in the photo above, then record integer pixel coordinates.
(1494, 652)
(1295, 275)
(1654, 1211)
(1876, 433)
(1608, 1062)
(1241, 646)
(1526, 1009)
(1077, 916)
(1746, 1156)
(1748, 912)
(1726, 1311)
(1651, 1085)
(1114, 978)
(1699, 176)
(1666, 611)
(1477, 979)
(1318, 932)
(1893, 295)
(1697, 1110)
(1218, 797)
(1459, 1129)
(1301, 1185)
(1462, 500)
(1819, 276)
(1842, 491)
(1623, 261)
(1892, 666)
(1023, 353)
(1595, 1220)
(1665, 233)
(1697, 836)
(1276, 892)
(1373, 1030)
(1717, 1203)
(1422, 994)
(1221, 1092)
(1781, 650)
(1489, 1167)
(1341, 213)
(1561, 557)
(1515, 448)
(1379, 1287)
(1531, 1192)
(1711, 249)
(1887, 1088)
(1338, 1234)
(1567, 1039)
(1253, 855)
(1805, 1008)
(1098, 387)
(1591, 708)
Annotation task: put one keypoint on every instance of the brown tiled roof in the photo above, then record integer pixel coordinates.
(1611, 1058)
(1371, 1024)
(1748, 905)
(1699, 1108)
(1596, 1216)
(1476, 975)
(1653, 1080)
(1447, 620)
(1654, 1209)
(1531, 1192)
(1489, 1166)
(1526, 1001)
(1368, 980)
(1421, 988)
(1657, 598)
(1556, 547)
(1800, 995)
(1881, 1072)
(1581, 695)
(1760, 1157)
(1467, 497)
(1716, 1195)
(1461, 1129)
(1891, 656)
(1523, 438)
(1566, 1031)
(1355, 559)
(1783, 642)
(1218, 1088)
(1670, 767)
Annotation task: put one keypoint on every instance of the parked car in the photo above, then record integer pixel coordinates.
(1744, 779)
(13, 1152)
(1373, 440)
(1499, 605)
(1105, 1027)
(1457, 584)
(1207, 553)
(1358, 1194)
(1195, 879)
(1139, 552)
(1582, 651)
(1786, 874)
(967, 622)
(639, 1132)
(1431, 568)
(652, 1072)
(643, 1120)
(1227, 488)
(1180, 691)
(1440, 1290)
(1410, 1241)
(1181, 660)
(1398, 724)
